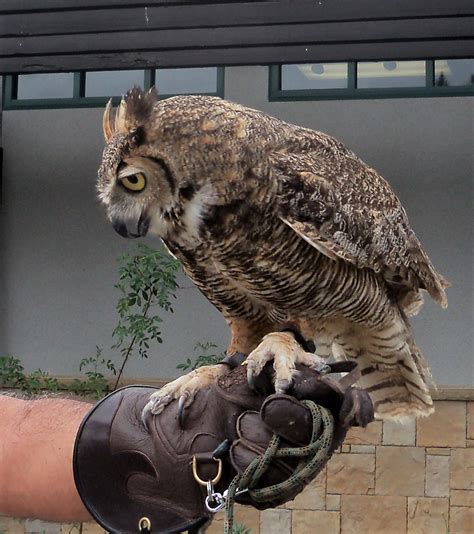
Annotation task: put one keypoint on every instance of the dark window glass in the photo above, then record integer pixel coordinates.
(383, 74)
(113, 83)
(57, 85)
(314, 76)
(454, 72)
(185, 81)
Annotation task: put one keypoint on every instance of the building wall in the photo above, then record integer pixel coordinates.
(390, 478)
(58, 258)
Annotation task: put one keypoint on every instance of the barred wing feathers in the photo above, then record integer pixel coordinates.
(346, 210)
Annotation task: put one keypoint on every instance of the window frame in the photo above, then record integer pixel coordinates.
(78, 99)
(352, 92)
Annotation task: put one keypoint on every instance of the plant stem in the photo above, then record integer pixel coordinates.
(129, 349)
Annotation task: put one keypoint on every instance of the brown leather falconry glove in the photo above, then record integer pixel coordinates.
(134, 479)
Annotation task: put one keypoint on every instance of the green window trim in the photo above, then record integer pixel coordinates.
(79, 100)
(352, 92)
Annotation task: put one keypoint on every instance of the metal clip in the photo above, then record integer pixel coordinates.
(215, 502)
(220, 500)
(237, 492)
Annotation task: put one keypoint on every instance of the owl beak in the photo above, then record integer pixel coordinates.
(131, 229)
(123, 230)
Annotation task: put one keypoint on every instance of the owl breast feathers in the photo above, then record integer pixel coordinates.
(276, 223)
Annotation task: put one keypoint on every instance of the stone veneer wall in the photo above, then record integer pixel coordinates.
(389, 478)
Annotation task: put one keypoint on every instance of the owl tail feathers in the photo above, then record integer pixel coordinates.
(398, 388)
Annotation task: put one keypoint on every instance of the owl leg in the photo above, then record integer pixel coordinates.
(286, 352)
(246, 334)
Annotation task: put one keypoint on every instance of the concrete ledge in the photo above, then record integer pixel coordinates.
(125, 381)
(452, 393)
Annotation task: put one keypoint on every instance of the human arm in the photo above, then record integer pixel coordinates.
(36, 446)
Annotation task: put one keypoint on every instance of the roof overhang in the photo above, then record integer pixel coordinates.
(71, 35)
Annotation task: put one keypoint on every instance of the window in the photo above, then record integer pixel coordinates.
(314, 76)
(45, 86)
(112, 83)
(93, 89)
(185, 81)
(454, 72)
(372, 79)
(379, 74)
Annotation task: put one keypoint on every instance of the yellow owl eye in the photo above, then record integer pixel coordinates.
(136, 182)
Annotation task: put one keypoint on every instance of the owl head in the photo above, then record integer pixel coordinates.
(136, 181)
(167, 162)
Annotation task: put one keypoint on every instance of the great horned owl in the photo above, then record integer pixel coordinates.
(276, 224)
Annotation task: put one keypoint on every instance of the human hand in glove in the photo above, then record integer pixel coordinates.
(158, 476)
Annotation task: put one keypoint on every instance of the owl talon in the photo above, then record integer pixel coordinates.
(251, 381)
(322, 368)
(286, 352)
(155, 406)
(257, 385)
(182, 389)
(144, 417)
(181, 407)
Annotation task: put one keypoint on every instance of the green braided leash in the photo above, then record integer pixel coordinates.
(313, 457)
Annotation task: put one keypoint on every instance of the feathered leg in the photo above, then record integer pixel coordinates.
(394, 371)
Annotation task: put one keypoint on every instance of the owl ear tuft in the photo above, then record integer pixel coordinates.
(107, 125)
(121, 117)
(140, 105)
(134, 110)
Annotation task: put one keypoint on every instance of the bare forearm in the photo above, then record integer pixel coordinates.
(36, 445)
